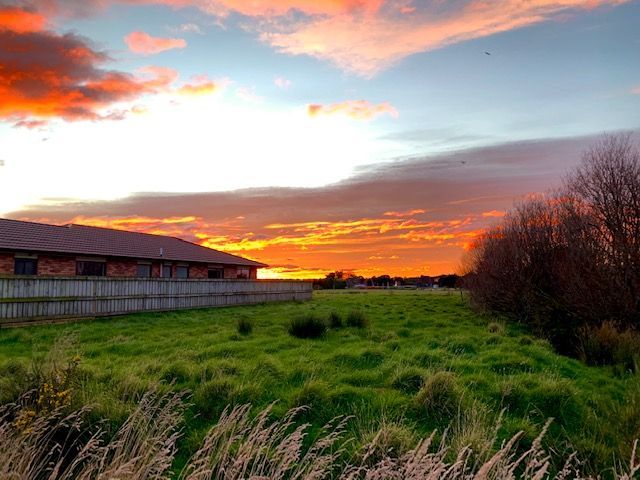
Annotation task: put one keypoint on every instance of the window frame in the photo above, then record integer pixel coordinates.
(23, 260)
(178, 269)
(243, 269)
(143, 265)
(170, 267)
(82, 273)
(217, 270)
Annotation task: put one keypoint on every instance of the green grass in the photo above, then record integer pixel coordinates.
(424, 360)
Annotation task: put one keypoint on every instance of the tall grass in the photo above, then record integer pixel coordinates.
(241, 446)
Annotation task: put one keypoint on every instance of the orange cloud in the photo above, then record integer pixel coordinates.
(145, 44)
(60, 76)
(358, 109)
(201, 86)
(407, 213)
(20, 21)
(494, 213)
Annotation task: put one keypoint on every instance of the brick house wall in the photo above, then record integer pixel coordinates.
(122, 268)
(6, 263)
(65, 266)
(56, 265)
(198, 270)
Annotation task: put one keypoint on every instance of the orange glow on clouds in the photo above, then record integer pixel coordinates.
(369, 246)
(145, 44)
(20, 21)
(201, 86)
(494, 213)
(357, 109)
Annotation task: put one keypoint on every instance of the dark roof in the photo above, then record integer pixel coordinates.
(86, 240)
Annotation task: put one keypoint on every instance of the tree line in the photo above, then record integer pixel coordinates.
(567, 263)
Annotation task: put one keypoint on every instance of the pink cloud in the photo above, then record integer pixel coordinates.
(363, 37)
(358, 109)
(367, 42)
(636, 90)
(145, 44)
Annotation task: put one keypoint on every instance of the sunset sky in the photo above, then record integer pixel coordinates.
(378, 136)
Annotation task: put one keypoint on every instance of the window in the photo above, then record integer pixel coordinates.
(243, 272)
(216, 273)
(25, 266)
(91, 269)
(144, 270)
(166, 271)
(182, 271)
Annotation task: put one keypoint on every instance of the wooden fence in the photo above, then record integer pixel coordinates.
(30, 300)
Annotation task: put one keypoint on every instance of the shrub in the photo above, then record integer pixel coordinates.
(606, 345)
(358, 319)
(307, 326)
(335, 320)
(244, 326)
(440, 395)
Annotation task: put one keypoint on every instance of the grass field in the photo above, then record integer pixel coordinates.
(425, 361)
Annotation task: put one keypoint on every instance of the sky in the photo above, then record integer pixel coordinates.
(374, 136)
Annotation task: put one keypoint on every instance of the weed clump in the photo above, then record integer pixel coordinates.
(440, 395)
(307, 326)
(212, 397)
(391, 440)
(335, 320)
(408, 380)
(496, 327)
(358, 319)
(607, 345)
(244, 326)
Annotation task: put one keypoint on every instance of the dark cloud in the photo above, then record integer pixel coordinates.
(45, 75)
(440, 203)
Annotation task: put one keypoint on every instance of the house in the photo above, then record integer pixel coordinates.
(28, 248)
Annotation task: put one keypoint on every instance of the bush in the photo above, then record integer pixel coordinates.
(307, 326)
(335, 320)
(440, 395)
(358, 319)
(244, 326)
(606, 345)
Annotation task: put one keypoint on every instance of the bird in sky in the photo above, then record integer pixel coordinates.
(487, 53)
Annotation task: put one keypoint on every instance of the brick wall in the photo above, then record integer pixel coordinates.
(197, 270)
(155, 270)
(122, 268)
(6, 263)
(230, 272)
(56, 265)
(65, 266)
